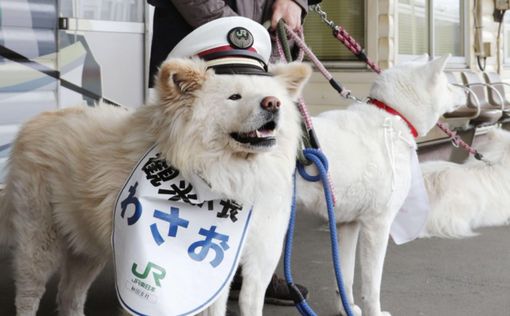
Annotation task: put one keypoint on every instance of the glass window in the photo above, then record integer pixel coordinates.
(507, 43)
(347, 13)
(448, 28)
(416, 20)
(506, 40)
(412, 27)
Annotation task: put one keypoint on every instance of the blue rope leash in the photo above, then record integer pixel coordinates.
(320, 161)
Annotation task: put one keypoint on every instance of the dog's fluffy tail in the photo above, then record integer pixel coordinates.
(6, 227)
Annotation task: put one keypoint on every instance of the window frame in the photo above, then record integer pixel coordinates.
(506, 44)
(455, 62)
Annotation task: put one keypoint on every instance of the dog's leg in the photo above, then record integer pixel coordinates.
(219, 308)
(348, 238)
(36, 258)
(262, 253)
(373, 242)
(255, 281)
(38, 251)
(77, 275)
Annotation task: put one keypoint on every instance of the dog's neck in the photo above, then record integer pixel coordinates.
(392, 111)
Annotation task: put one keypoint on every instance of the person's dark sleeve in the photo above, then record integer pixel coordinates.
(304, 7)
(198, 12)
(303, 4)
(312, 2)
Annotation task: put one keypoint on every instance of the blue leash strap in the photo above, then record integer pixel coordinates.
(300, 302)
(320, 161)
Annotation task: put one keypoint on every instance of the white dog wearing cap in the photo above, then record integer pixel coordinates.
(238, 132)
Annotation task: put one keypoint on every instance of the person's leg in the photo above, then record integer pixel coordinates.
(277, 292)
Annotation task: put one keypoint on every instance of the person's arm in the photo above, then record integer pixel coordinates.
(292, 11)
(198, 12)
(304, 6)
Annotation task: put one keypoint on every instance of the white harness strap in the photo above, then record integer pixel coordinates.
(390, 149)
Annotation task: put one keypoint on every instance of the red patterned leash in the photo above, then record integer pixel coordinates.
(345, 93)
(284, 57)
(343, 36)
(458, 142)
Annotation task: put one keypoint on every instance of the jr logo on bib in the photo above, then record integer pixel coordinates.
(176, 243)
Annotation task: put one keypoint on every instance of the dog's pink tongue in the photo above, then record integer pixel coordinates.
(264, 133)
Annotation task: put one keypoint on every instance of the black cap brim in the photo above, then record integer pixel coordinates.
(240, 69)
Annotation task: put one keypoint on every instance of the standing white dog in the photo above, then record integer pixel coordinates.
(467, 196)
(369, 151)
(239, 133)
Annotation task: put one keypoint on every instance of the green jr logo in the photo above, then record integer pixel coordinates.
(158, 272)
(242, 33)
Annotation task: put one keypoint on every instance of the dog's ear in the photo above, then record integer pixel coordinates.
(432, 70)
(439, 64)
(293, 76)
(179, 77)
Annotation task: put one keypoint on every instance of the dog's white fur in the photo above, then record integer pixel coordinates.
(368, 193)
(467, 196)
(67, 167)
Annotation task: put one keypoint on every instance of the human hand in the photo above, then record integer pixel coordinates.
(289, 11)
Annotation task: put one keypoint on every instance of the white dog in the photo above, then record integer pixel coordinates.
(467, 196)
(67, 167)
(369, 151)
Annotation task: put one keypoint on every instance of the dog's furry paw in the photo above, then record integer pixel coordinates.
(356, 311)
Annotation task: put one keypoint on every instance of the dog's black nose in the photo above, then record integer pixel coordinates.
(271, 104)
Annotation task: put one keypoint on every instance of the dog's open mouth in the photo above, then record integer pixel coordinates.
(263, 136)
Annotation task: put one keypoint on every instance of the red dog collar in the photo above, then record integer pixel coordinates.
(391, 110)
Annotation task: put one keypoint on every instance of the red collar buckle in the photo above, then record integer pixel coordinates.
(391, 110)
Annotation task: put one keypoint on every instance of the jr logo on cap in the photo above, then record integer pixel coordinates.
(239, 37)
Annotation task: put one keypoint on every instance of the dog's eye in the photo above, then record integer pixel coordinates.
(235, 96)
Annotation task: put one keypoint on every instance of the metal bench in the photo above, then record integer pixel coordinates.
(500, 99)
(490, 113)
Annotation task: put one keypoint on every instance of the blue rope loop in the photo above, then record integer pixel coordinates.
(321, 162)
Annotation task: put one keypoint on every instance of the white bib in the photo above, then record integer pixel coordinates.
(176, 243)
(412, 216)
